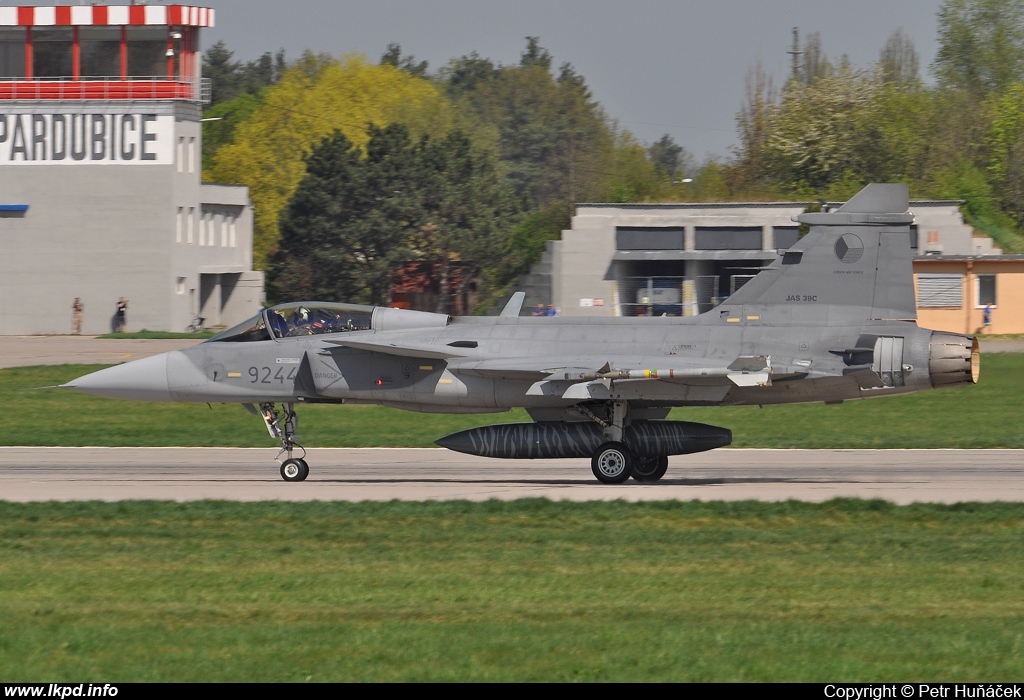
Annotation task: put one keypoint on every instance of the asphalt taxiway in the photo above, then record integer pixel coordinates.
(185, 474)
(182, 474)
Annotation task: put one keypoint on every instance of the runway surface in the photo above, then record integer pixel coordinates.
(184, 474)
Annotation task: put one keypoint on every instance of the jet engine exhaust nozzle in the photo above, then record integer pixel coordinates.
(953, 359)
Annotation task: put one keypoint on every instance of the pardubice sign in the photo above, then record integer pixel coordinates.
(86, 139)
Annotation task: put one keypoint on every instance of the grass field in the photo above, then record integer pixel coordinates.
(521, 591)
(984, 416)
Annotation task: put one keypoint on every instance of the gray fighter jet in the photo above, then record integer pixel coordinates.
(832, 319)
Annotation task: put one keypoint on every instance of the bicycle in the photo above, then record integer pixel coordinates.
(196, 326)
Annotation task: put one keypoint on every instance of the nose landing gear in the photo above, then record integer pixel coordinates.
(283, 426)
(294, 470)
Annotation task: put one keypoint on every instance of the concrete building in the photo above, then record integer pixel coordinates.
(684, 259)
(953, 292)
(101, 192)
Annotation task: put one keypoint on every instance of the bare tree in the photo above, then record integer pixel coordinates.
(816, 64)
(898, 60)
(754, 126)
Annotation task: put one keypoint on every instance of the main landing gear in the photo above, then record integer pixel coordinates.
(651, 469)
(283, 426)
(614, 462)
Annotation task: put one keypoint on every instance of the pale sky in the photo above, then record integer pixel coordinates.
(657, 66)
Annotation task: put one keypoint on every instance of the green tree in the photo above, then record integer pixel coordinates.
(223, 72)
(1006, 150)
(462, 76)
(535, 55)
(710, 184)
(353, 220)
(555, 142)
(668, 157)
(981, 45)
(814, 133)
(393, 57)
(316, 96)
(320, 257)
(230, 78)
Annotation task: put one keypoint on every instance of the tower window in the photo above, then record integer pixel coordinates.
(100, 52)
(52, 52)
(12, 52)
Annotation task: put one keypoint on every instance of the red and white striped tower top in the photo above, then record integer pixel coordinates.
(106, 15)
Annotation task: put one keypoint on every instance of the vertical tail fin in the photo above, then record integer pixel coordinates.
(857, 257)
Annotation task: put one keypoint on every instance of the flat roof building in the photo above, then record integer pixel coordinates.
(101, 192)
(686, 258)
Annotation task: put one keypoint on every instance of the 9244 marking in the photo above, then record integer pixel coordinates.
(266, 375)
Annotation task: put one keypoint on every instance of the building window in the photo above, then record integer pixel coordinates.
(191, 220)
(728, 238)
(100, 52)
(147, 52)
(180, 286)
(986, 290)
(223, 231)
(191, 154)
(178, 225)
(181, 154)
(232, 234)
(785, 236)
(649, 238)
(12, 52)
(940, 290)
(202, 229)
(52, 55)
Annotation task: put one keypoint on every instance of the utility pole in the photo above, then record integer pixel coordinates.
(796, 53)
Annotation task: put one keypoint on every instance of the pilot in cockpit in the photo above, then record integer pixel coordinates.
(277, 323)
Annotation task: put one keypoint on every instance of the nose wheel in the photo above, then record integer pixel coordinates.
(294, 470)
(284, 426)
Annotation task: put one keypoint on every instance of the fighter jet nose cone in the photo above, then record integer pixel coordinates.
(141, 380)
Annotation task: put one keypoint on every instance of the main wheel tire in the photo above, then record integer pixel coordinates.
(612, 463)
(651, 469)
(294, 470)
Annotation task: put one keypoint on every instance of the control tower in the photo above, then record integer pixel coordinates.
(101, 192)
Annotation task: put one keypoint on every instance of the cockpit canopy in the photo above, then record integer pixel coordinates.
(318, 318)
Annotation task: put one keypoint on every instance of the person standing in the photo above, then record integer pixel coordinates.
(76, 316)
(122, 312)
